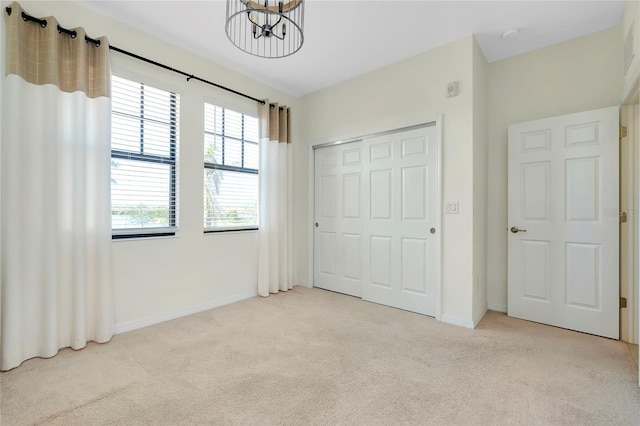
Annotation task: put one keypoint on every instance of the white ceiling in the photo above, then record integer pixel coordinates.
(344, 39)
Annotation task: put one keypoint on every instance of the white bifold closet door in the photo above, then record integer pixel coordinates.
(376, 206)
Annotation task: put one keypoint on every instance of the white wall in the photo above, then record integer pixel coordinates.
(631, 15)
(480, 180)
(577, 75)
(159, 278)
(409, 92)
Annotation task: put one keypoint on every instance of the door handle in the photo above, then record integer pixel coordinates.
(515, 230)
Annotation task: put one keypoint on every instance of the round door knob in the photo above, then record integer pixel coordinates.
(432, 230)
(316, 224)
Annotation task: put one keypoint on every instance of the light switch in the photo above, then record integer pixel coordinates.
(453, 89)
(451, 207)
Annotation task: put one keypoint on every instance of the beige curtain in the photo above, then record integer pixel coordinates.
(56, 205)
(274, 269)
(43, 56)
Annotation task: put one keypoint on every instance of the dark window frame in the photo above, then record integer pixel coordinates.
(225, 167)
(224, 137)
(171, 160)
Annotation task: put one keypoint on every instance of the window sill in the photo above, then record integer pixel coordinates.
(221, 231)
(143, 237)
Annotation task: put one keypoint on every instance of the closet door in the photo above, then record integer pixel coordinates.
(401, 248)
(338, 218)
(376, 224)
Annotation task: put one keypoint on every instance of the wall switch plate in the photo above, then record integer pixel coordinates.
(451, 207)
(453, 89)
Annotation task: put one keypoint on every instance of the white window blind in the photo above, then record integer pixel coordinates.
(230, 170)
(144, 150)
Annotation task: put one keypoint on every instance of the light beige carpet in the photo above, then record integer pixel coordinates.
(316, 357)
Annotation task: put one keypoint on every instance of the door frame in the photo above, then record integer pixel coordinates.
(629, 317)
(631, 96)
(630, 116)
(437, 123)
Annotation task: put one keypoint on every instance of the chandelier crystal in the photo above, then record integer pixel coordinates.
(267, 28)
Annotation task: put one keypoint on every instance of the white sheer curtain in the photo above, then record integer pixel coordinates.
(56, 207)
(274, 272)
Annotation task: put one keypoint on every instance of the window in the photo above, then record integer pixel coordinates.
(144, 135)
(230, 170)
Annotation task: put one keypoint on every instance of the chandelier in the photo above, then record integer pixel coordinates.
(267, 28)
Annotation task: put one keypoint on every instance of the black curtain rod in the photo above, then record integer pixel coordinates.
(189, 76)
(73, 34)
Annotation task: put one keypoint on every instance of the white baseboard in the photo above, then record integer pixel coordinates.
(301, 283)
(456, 321)
(156, 319)
(498, 308)
(477, 320)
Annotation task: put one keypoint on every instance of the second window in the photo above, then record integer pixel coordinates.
(230, 170)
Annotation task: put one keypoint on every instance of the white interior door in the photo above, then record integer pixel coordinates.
(401, 230)
(338, 218)
(563, 219)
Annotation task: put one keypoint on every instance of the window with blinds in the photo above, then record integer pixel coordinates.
(144, 149)
(230, 170)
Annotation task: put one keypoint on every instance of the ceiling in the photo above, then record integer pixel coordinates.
(344, 39)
